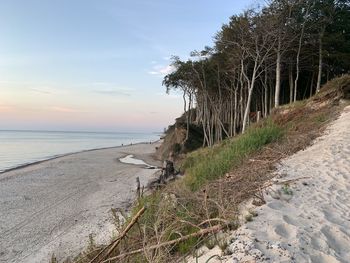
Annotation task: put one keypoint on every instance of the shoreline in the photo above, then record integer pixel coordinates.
(24, 165)
(52, 206)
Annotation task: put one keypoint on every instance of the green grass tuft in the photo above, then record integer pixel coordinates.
(212, 163)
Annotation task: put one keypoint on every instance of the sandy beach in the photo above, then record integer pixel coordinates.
(53, 206)
(308, 220)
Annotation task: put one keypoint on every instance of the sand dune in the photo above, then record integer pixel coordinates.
(308, 221)
(53, 206)
(313, 224)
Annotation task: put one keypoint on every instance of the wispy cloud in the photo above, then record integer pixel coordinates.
(42, 91)
(161, 70)
(169, 96)
(60, 57)
(33, 86)
(110, 89)
(106, 88)
(4, 107)
(113, 92)
(65, 109)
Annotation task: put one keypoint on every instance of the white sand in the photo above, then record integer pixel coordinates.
(312, 224)
(53, 206)
(131, 160)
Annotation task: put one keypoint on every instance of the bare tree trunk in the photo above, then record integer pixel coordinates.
(298, 56)
(266, 93)
(318, 85)
(312, 83)
(186, 114)
(278, 74)
(291, 84)
(262, 101)
(250, 92)
(247, 110)
(188, 119)
(232, 112)
(266, 102)
(235, 114)
(271, 95)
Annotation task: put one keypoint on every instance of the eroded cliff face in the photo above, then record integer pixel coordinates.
(173, 142)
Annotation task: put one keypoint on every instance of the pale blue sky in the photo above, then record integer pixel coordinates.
(98, 65)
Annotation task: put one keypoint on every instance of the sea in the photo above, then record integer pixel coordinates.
(18, 148)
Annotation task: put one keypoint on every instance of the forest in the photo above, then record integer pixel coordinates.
(262, 58)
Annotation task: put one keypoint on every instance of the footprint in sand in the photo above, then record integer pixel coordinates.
(291, 220)
(276, 205)
(318, 243)
(332, 217)
(285, 230)
(337, 241)
(323, 258)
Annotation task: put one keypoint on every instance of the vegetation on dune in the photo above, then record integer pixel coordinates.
(212, 163)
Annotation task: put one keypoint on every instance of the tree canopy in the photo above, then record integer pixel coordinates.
(261, 59)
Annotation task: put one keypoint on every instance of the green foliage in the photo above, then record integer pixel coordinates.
(188, 245)
(249, 218)
(321, 118)
(177, 148)
(211, 163)
(287, 190)
(195, 139)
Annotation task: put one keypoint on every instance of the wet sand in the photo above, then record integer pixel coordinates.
(53, 206)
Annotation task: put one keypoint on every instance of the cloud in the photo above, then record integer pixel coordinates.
(169, 96)
(161, 70)
(4, 107)
(42, 91)
(113, 92)
(65, 109)
(33, 86)
(106, 88)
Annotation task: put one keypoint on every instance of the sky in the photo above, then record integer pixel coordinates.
(83, 65)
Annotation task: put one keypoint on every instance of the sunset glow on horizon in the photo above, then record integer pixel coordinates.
(97, 65)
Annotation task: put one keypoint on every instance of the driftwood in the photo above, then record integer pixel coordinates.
(202, 232)
(138, 188)
(116, 242)
(168, 173)
(292, 180)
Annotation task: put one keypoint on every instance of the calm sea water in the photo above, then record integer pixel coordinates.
(22, 147)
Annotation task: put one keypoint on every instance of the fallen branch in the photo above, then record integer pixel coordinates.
(116, 242)
(214, 219)
(168, 243)
(292, 180)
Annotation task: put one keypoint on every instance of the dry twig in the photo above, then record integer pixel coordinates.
(202, 232)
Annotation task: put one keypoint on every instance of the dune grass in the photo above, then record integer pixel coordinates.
(211, 163)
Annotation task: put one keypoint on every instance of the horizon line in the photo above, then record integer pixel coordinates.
(74, 131)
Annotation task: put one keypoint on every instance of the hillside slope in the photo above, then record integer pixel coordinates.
(306, 217)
